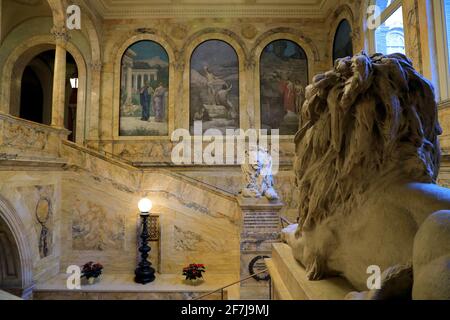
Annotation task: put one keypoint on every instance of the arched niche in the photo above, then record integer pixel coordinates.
(214, 86)
(19, 271)
(342, 42)
(124, 67)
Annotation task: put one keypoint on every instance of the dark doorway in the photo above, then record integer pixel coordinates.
(70, 112)
(31, 97)
(37, 88)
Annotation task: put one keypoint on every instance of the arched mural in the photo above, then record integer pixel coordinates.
(284, 77)
(144, 88)
(214, 86)
(343, 45)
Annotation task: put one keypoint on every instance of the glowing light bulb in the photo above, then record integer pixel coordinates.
(145, 205)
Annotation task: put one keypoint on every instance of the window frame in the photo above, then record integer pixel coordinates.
(442, 50)
(384, 15)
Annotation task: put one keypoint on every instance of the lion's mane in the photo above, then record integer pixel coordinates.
(360, 123)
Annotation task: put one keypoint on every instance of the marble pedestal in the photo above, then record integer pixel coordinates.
(260, 228)
(290, 282)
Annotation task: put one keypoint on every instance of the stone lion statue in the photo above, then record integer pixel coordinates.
(258, 177)
(367, 158)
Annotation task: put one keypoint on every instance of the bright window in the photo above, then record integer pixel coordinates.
(389, 36)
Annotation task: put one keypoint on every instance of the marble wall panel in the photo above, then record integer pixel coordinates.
(23, 191)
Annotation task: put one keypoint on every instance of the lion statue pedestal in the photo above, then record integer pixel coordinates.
(367, 159)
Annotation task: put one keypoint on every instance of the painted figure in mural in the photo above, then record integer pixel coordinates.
(299, 96)
(145, 97)
(287, 90)
(159, 102)
(210, 82)
(223, 100)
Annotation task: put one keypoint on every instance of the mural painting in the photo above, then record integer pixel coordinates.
(214, 86)
(284, 77)
(144, 90)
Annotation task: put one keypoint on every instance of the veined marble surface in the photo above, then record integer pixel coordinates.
(123, 284)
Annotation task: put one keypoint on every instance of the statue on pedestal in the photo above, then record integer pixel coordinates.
(258, 178)
(367, 160)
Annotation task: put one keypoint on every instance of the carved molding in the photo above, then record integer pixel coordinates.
(96, 66)
(60, 34)
(29, 2)
(119, 9)
(29, 140)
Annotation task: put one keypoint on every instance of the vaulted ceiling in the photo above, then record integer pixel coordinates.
(119, 9)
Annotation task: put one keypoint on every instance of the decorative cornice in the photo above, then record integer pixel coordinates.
(120, 9)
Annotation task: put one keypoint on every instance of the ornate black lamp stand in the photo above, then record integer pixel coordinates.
(144, 272)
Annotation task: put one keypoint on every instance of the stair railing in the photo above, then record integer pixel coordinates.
(222, 289)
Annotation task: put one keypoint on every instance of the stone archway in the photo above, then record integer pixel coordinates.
(17, 267)
(18, 60)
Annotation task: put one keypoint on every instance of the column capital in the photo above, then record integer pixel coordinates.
(96, 66)
(60, 34)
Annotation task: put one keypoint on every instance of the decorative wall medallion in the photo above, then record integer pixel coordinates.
(249, 31)
(43, 213)
(257, 265)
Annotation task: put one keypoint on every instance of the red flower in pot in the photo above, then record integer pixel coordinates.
(194, 271)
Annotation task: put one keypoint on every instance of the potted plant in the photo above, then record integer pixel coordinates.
(194, 273)
(91, 271)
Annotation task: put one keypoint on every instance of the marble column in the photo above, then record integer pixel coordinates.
(94, 114)
(412, 34)
(129, 80)
(260, 228)
(59, 77)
